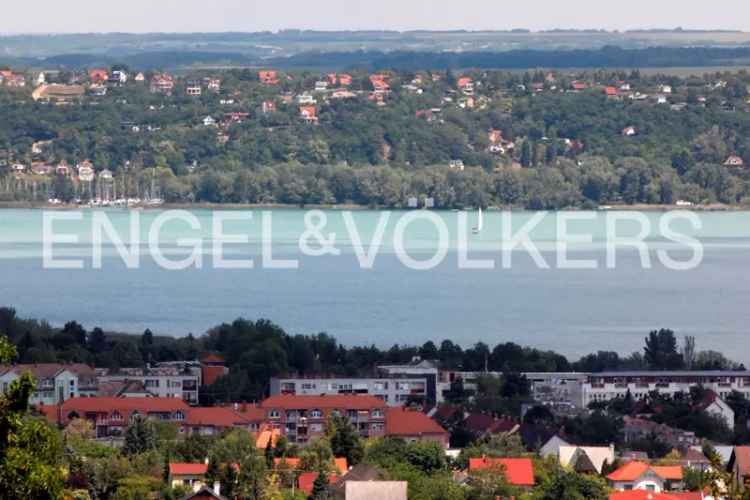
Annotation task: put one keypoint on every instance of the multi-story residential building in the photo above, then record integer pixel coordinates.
(393, 391)
(419, 368)
(301, 418)
(168, 380)
(111, 416)
(162, 83)
(605, 386)
(55, 382)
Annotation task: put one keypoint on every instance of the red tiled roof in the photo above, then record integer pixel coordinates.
(518, 471)
(341, 464)
(186, 469)
(403, 422)
(48, 370)
(211, 357)
(629, 472)
(251, 413)
(306, 481)
(291, 462)
(633, 470)
(668, 472)
(338, 401)
(108, 404)
(217, 416)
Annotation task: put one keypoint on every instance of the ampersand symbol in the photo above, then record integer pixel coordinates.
(315, 221)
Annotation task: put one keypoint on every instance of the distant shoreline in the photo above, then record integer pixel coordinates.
(711, 207)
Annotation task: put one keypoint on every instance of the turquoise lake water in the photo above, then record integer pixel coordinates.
(573, 311)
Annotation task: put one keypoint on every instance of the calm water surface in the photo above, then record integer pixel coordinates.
(570, 311)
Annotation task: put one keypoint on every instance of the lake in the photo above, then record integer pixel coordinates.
(572, 311)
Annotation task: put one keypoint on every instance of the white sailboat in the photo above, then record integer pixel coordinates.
(480, 223)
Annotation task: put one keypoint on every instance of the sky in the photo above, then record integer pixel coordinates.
(78, 16)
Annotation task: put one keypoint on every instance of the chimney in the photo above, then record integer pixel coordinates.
(217, 488)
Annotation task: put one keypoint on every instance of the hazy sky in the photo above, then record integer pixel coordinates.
(253, 15)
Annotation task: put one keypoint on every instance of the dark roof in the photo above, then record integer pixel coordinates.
(360, 472)
(204, 492)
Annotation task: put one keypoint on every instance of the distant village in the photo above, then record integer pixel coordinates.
(238, 96)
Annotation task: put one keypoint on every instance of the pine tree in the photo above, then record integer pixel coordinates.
(269, 454)
(526, 154)
(319, 486)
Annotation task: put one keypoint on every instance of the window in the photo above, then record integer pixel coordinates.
(178, 415)
(377, 413)
(316, 413)
(273, 414)
(151, 382)
(116, 415)
(308, 386)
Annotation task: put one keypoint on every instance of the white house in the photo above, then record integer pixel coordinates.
(714, 405)
(586, 458)
(642, 476)
(55, 382)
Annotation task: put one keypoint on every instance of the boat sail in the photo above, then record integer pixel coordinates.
(480, 223)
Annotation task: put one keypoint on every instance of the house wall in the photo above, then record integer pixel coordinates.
(393, 391)
(650, 483)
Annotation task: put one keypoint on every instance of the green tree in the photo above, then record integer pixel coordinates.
(30, 451)
(661, 352)
(345, 440)
(571, 486)
(320, 484)
(141, 436)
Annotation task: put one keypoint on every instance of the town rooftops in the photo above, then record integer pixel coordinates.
(631, 471)
(518, 471)
(347, 402)
(125, 406)
(405, 422)
(48, 370)
(187, 469)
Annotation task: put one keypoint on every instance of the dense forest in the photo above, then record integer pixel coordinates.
(524, 140)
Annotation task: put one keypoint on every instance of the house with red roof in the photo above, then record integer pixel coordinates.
(98, 75)
(578, 85)
(734, 161)
(191, 475)
(309, 114)
(268, 77)
(111, 416)
(213, 420)
(518, 471)
(637, 475)
(306, 481)
(301, 418)
(162, 83)
(610, 91)
(411, 425)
